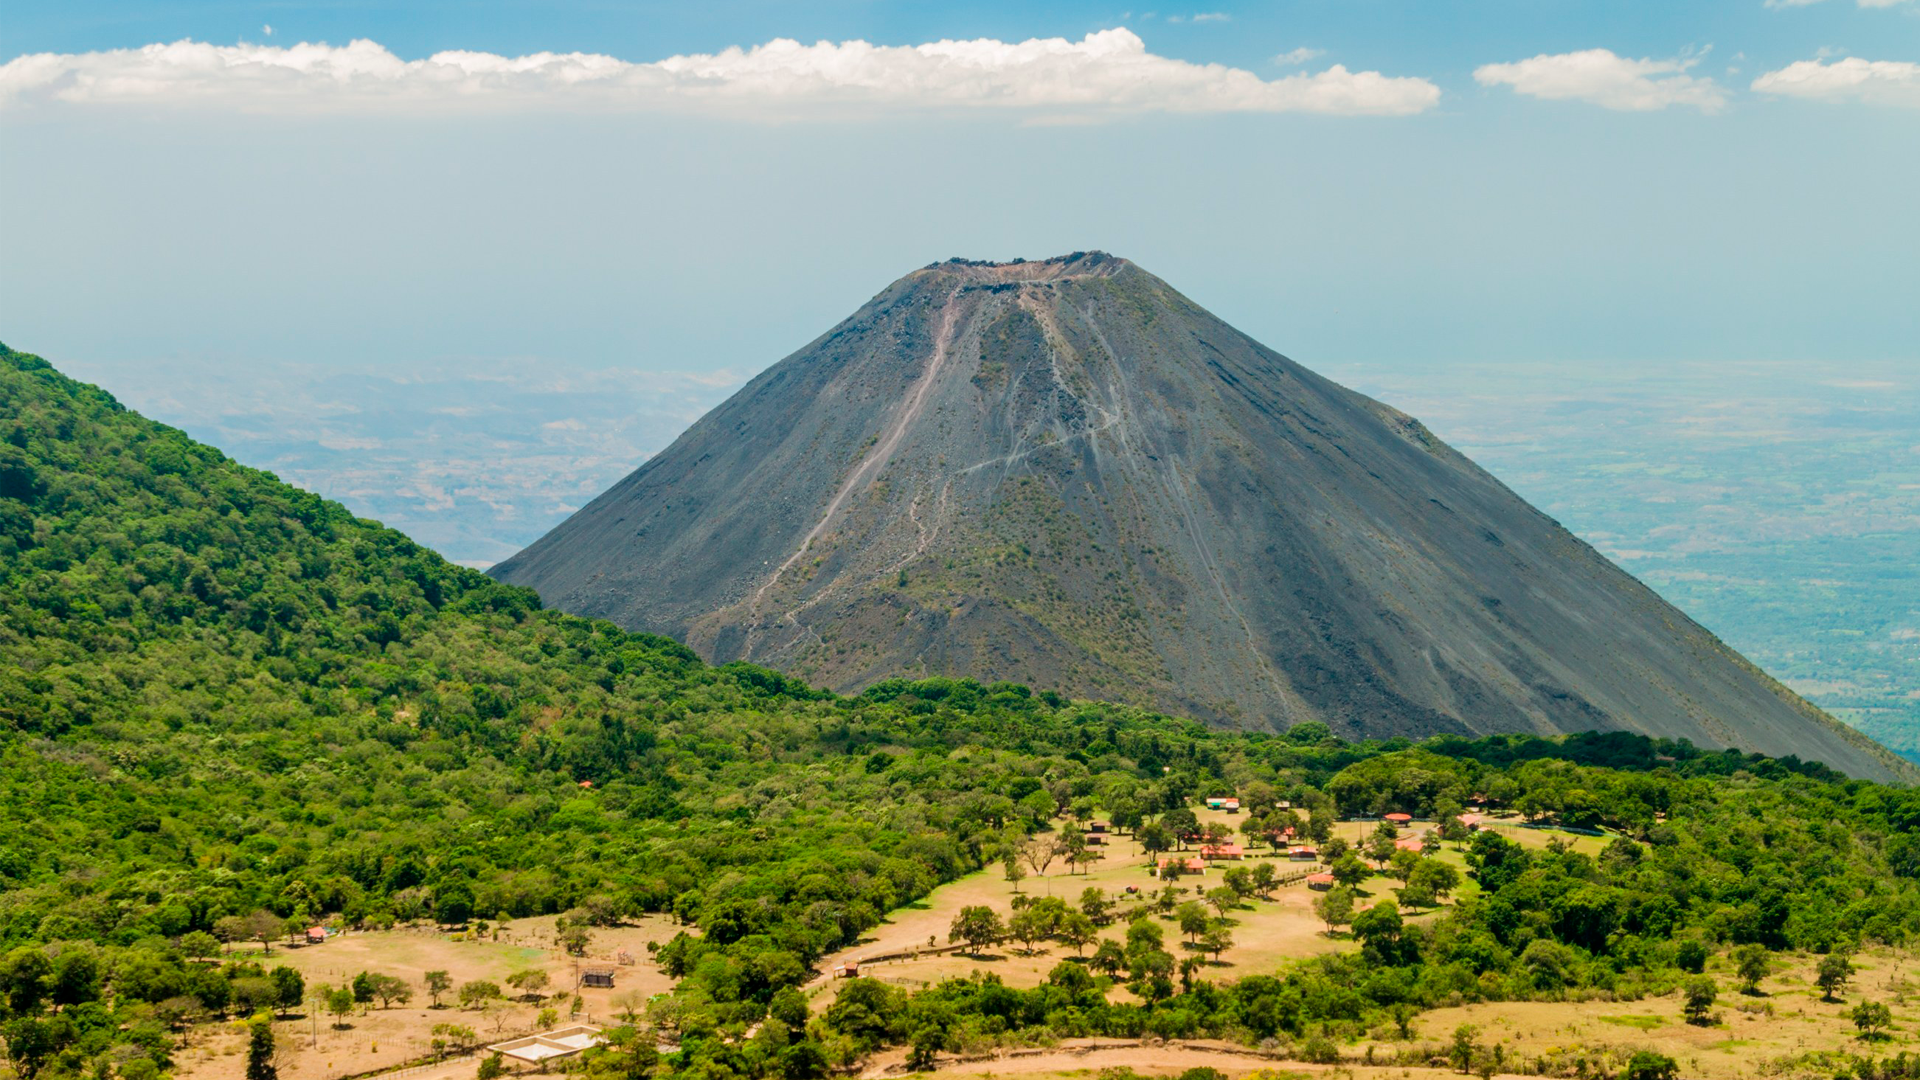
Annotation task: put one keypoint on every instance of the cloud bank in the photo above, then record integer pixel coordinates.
(1110, 71)
(1875, 82)
(1602, 78)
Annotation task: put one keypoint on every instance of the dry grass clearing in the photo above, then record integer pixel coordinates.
(1786, 1020)
(1268, 935)
(312, 1049)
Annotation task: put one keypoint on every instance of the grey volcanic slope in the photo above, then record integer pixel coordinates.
(1067, 474)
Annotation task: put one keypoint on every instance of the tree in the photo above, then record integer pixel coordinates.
(199, 944)
(925, 1047)
(1753, 965)
(1040, 853)
(1028, 926)
(1217, 938)
(978, 926)
(530, 982)
(1349, 871)
(1108, 957)
(252, 995)
(1380, 845)
(1095, 905)
(1690, 956)
(1416, 896)
(289, 987)
(1263, 879)
(1078, 931)
(1871, 1018)
(260, 1052)
(1154, 838)
(1379, 926)
(339, 1003)
(263, 926)
(1401, 865)
(438, 982)
(1648, 1065)
(1073, 843)
(1223, 899)
(391, 988)
(1334, 907)
(492, 1067)
(1463, 1048)
(1010, 865)
(1435, 877)
(1192, 918)
(26, 977)
(1701, 992)
(1836, 970)
(477, 992)
(453, 903)
(574, 938)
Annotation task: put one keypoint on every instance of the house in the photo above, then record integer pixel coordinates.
(1321, 882)
(1096, 840)
(599, 977)
(544, 1047)
(1227, 803)
(1302, 853)
(1096, 826)
(1189, 865)
(1222, 851)
(1415, 844)
(848, 970)
(1399, 819)
(1473, 821)
(316, 935)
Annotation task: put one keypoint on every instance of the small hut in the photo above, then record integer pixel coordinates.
(600, 978)
(1320, 882)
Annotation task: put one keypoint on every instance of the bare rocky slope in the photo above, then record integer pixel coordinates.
(1067, 474)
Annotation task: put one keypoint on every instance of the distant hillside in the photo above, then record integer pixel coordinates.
(1067, 474)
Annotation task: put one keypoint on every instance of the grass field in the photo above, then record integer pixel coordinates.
(312, 1049)
(1786, 1019)
(1268, 935)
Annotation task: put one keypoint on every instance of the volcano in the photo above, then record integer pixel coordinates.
(1065, 473)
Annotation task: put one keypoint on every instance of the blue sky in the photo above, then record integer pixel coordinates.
(1489, 195)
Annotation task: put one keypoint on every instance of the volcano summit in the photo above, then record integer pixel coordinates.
(1067, 474)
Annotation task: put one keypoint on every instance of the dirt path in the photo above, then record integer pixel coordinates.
(888, 441)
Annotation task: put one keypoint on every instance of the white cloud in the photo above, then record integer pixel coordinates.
(1875, 82)
(267, 29)
(1104, 73)
(1296, 57)
(1213, 16)
(1613, 82)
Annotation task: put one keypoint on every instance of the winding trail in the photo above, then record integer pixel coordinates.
(870, 467)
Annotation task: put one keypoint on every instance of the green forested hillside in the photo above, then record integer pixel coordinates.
(222, 696)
